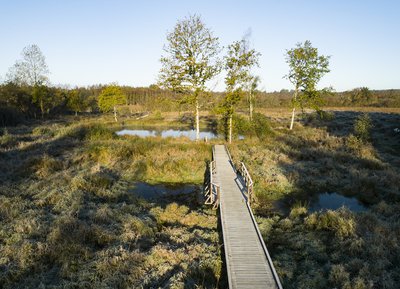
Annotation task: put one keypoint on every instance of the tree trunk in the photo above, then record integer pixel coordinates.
(76, 113)
(250, 109)
(294, 108)
(197, 121)
(42, 107)
(230, 129)
(115, 114)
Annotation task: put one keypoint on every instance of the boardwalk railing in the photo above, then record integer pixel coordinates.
(212, 190)
(247, 181)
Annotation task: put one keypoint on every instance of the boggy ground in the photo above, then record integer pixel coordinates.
(69, 219)
(334, 248)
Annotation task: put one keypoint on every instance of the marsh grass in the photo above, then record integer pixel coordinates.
(349, 153)
(69, 219)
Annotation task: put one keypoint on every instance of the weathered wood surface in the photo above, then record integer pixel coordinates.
(246, 260)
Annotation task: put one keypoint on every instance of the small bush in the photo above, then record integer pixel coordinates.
(354, 143)
(362, 127)
(261, 126)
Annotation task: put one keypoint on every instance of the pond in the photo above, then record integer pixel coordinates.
(191, 134)
(333, 201)
(159, 191)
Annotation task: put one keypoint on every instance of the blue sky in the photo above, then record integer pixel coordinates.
(90, 42)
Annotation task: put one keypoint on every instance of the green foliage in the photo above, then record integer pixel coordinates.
(238, 62)
(43, 97)
(191, 58)
(260, 127)
(110, 97)
(361, 95)
(306, 68)
(76, 101)
(362, 127)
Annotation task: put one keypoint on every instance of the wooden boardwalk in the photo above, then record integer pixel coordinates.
(247, 259)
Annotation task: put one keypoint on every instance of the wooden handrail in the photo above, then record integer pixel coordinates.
(212, 190)
(248, 181)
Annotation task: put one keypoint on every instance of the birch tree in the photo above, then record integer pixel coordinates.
(191, 60)
(238, 62)
(306, 68)
(31, 70)
(251, 91)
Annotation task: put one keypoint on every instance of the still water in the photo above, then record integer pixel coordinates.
(191, 134)
(168, 133)
(151, 192)
(333, 201)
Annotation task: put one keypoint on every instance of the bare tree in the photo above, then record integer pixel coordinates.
(31, 69)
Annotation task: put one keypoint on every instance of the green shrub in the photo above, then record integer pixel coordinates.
(354, 143)
(261, 126)
(362, 127)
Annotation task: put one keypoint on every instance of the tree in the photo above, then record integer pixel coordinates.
(31, 70)
(238, 62)
(43, 97)
(361, 95)
(191, 61)
(110, 97)
(76, 101)
(306, 68)
(251, 88)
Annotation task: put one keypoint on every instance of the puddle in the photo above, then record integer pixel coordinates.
(333, 201)
(175, 133)
(159, 191)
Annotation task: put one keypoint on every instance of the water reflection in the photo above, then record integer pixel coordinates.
(151, 192)
(191, 134)
(333, 201)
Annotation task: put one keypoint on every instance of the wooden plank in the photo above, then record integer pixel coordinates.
(247, 263)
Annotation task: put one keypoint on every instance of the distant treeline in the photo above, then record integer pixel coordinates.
(356, 97)
(24, 102)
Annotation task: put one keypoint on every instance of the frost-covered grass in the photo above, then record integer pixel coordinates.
(347, 153)
(68, 218)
